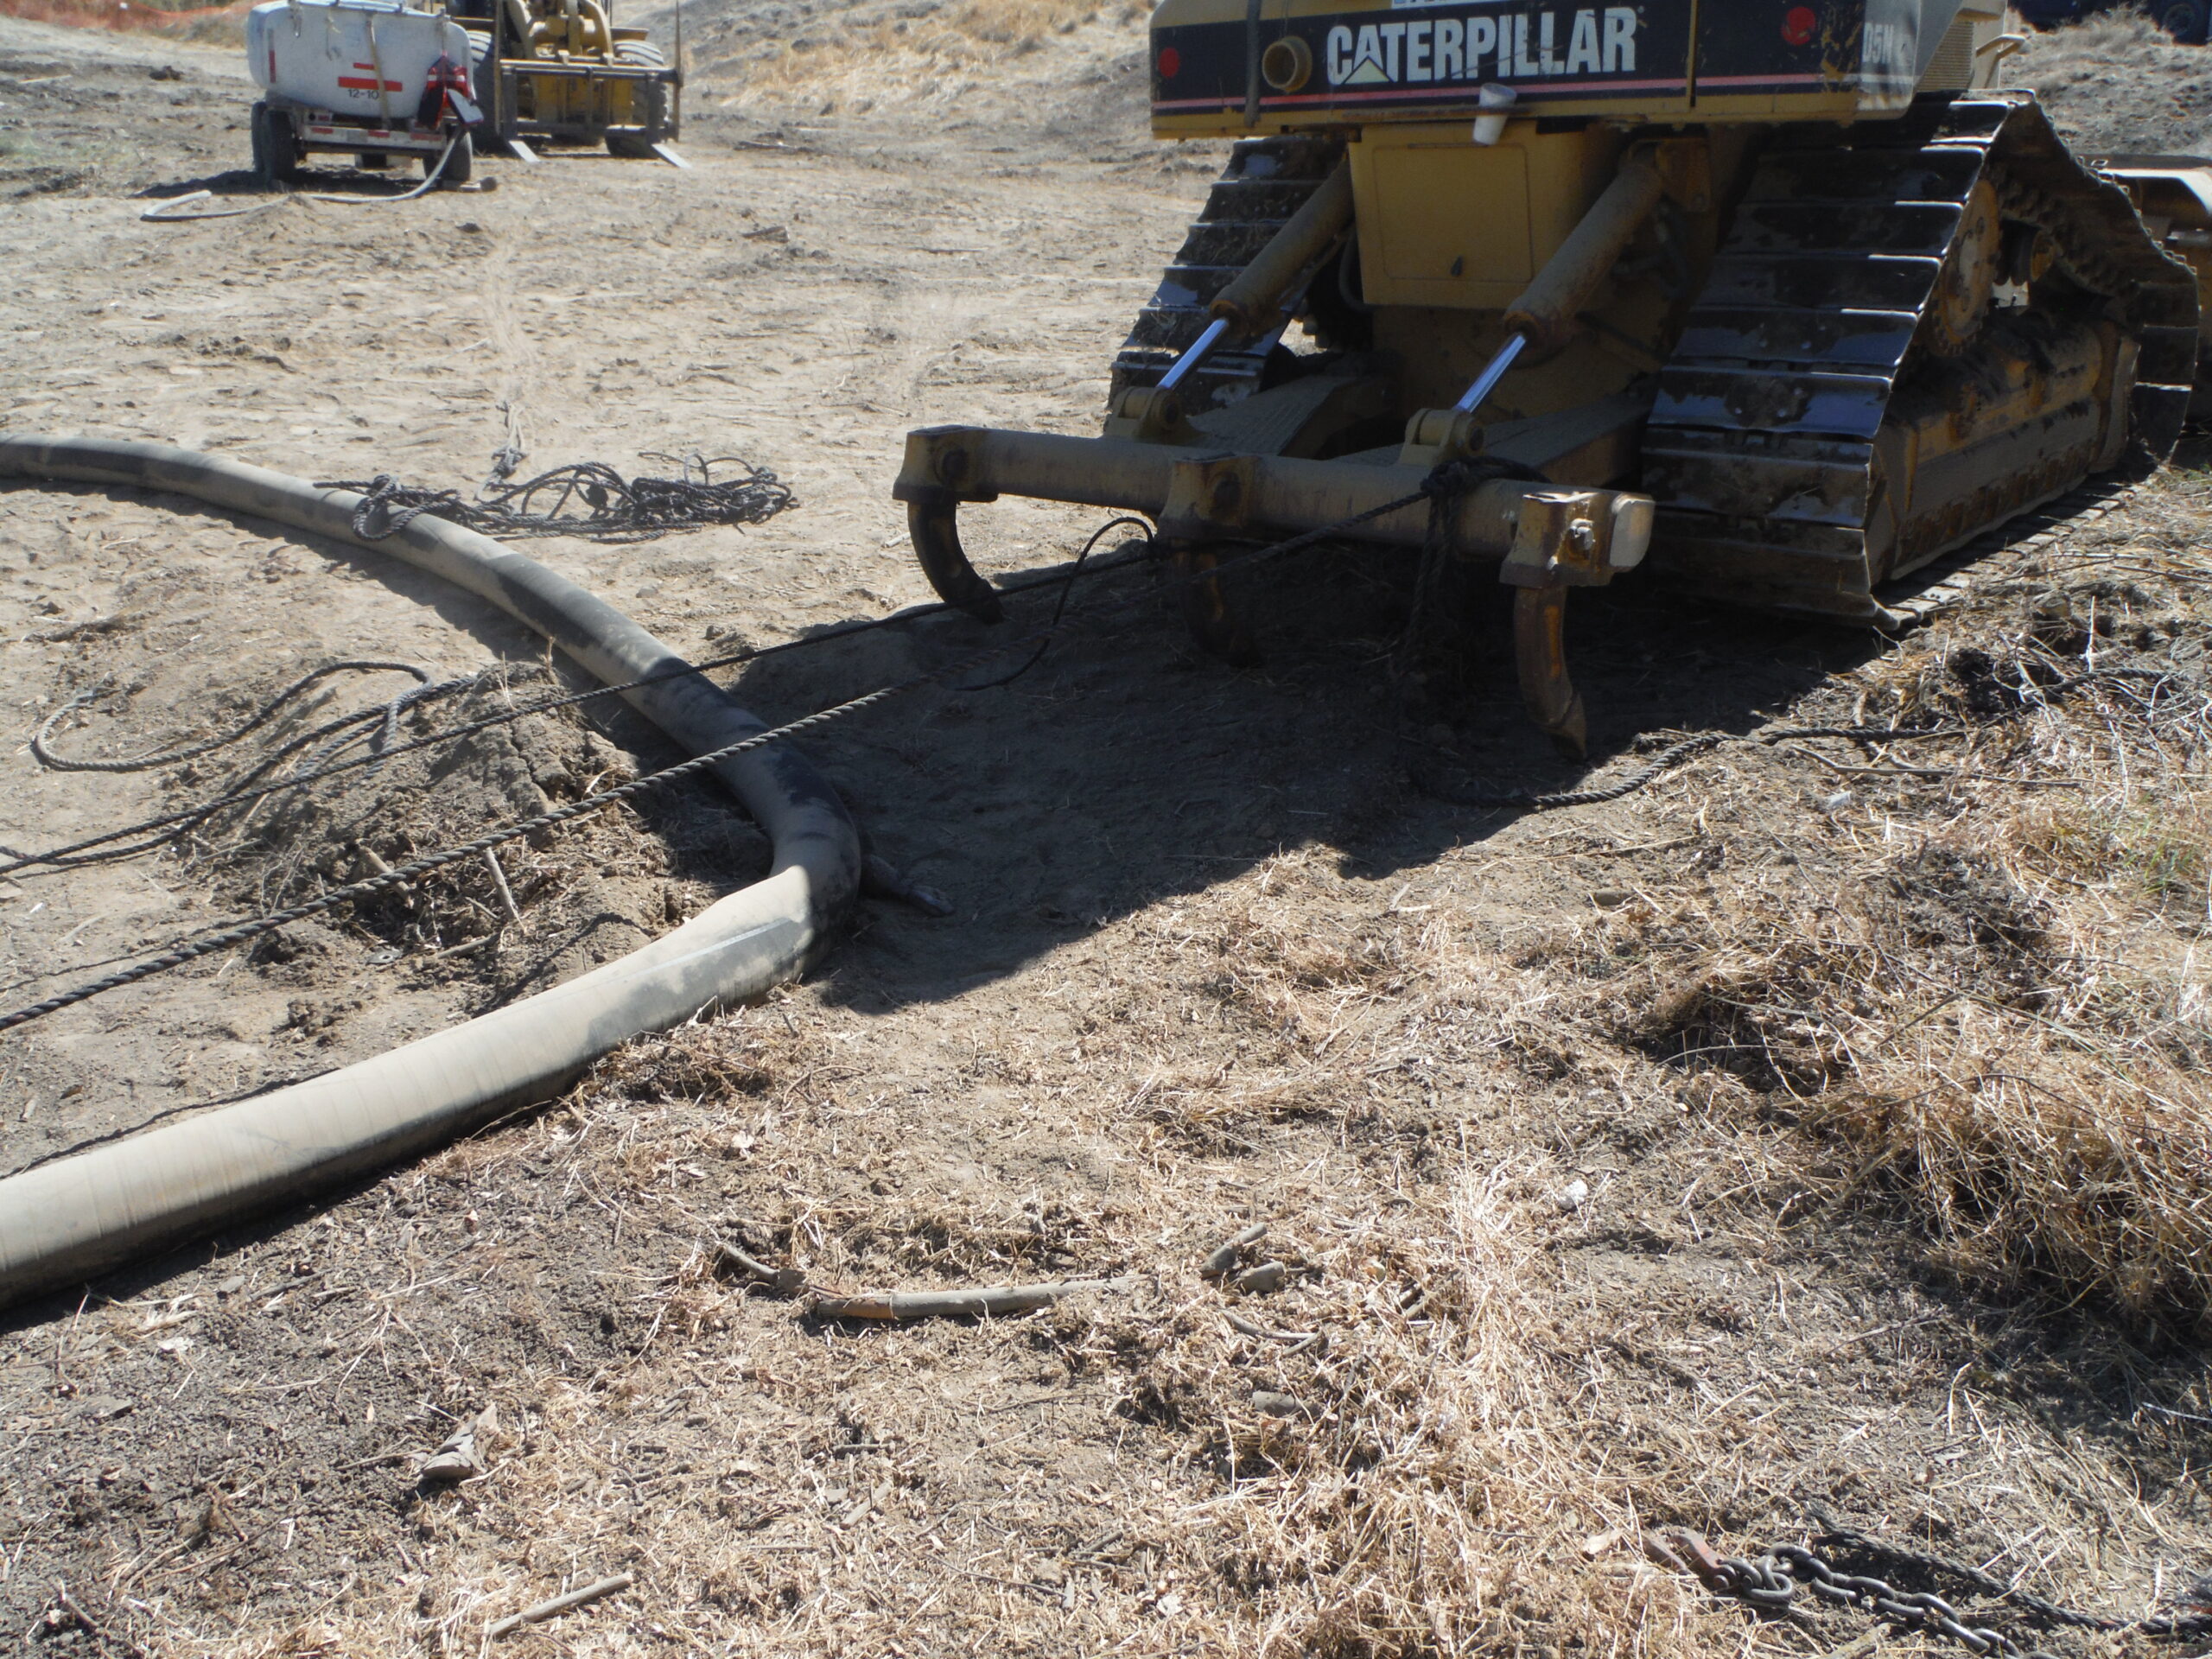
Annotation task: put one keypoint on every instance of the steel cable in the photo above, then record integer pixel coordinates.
(71, 852)
(222, 938)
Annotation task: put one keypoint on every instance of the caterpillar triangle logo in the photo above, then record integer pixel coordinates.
(1367, 67)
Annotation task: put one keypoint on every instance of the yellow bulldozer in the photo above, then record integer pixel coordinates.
(564, 72)
(1783, 299)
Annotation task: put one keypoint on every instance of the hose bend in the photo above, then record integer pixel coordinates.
(61, 1222)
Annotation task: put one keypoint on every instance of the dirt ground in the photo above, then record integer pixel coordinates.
(1670, 1161)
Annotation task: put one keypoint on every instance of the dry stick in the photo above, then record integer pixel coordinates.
(957, 1304)
(545, 1610)
(67, 1603)
(500, 881)
(783, 1279)
(1247, 1327)
(1224, 1257)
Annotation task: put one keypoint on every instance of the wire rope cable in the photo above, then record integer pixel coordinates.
(74, 853)
(205, 942)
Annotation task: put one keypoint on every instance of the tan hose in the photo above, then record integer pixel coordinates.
(1252, 299)
(64, 1221)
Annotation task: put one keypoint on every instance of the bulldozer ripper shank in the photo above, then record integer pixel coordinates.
(1793, 297)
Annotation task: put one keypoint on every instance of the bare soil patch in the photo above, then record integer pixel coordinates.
(1823, 1124)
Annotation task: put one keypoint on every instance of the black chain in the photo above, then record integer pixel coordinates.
(1835, 1535)
(1771, 1582)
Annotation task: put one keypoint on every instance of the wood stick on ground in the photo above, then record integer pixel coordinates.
(557, 1604)
(500, 881)
(86, 1623)
(1237, 1322)
(785, 1279)
(957, 1304)
(1223, 1256)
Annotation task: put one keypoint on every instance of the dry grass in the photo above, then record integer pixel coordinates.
(1998, 1012)
(217, 22)
(879, 59)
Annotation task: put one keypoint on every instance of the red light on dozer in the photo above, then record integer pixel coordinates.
(1170, 62)
(1798, 24)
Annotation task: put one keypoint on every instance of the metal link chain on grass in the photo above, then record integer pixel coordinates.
(1770, 1582)
(1834, 1535)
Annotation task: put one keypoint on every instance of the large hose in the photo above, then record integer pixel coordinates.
(61, 1222)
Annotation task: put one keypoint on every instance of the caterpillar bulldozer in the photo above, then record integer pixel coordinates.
(564, 72)
(1782, 298)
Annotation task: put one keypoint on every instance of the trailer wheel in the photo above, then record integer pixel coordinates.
(459, 165)
(264, 167)
(276, 160)
(2185, 20)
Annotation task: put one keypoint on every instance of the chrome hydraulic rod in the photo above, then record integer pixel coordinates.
(1493, 371)
(1196, 355)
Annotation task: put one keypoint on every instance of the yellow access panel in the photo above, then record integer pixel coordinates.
(1445, 221)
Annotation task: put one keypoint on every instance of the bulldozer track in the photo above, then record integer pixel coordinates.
(1761, 445)
(1948, 582)
(1265, 182)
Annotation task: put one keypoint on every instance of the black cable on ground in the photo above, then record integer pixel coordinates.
(178, 821)
(620, 509)
(1675, 754)
(1669, 758)
(1060, 605)
(260, 718)
(196, 946)
(342, 732)
(193, 948)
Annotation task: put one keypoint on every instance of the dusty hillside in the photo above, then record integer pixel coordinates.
(2117, 85)
(1820, 1125)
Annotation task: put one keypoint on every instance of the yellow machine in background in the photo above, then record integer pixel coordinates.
(1788, 296)
(564, 72)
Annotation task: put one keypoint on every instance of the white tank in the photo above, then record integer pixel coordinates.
(351, 57)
